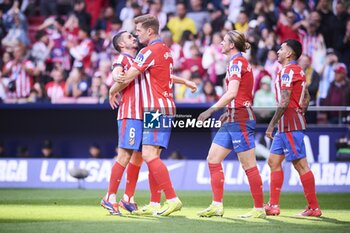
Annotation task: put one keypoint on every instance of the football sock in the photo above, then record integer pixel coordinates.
(132, 174)
(255, 184)
(275, 186)
(308, 182)
(155, 191)
(161, 176)
(116, 176)
(217, 181)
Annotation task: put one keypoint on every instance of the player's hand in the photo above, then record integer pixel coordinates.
(223, 118)
(269, 132)
(191, 85)
(113, 102)
(204, 115)
(120, 78)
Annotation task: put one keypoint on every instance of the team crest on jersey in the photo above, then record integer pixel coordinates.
(131, 141)
(235, 69)
(139, 58)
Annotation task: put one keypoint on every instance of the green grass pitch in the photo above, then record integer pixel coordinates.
(58, 210)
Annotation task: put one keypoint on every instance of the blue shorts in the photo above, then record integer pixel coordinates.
(238, 136)
(291, 144)
(130, 134)
(160, 135)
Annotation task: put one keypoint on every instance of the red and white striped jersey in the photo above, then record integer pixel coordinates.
(55, 91)
(17, 73)
(131, 106)
(156, 62)
(291, 77)
(240, 108)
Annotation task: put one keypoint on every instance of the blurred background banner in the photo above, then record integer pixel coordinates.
(186, 175)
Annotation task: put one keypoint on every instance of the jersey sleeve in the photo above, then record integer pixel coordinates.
(235, 71)
(118, 61)
(144, 60)
(287, 79)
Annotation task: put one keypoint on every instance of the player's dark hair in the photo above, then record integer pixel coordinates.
(295, 46)
(239, 40)
(148, 21)
(116, 40)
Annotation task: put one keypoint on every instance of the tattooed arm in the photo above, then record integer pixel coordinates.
(281, 108)
(306, 101)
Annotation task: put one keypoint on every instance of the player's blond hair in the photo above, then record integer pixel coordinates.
(239, 40)
(148, 21)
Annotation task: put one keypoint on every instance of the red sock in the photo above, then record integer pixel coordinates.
(161, 175)
(308, 182)
(132, 173)
(275, 186)
(116, 176)
(217, 181)
(156, 192)
(255, 184)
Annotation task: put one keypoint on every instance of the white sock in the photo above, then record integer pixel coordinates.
(259, 209)
(154, 203)
(216, 203)
(173, 199)
(112, 198)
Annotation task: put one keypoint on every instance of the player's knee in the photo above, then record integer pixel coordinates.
(273, 164)
(136, 159)
(123, 160)
(211, 158)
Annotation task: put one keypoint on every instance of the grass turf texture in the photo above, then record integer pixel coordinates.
(57, 210)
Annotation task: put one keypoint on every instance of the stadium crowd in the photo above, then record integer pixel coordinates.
(60, 51)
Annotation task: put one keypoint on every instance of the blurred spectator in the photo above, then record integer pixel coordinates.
(79, 10)
(3, 31)
(47, 150)
(17, 33)
(345, 44)
(156, 10)
(214, 61)
(313, 42)
(41, 49)
(326, 19)
(22, 151)
(180, 23)
(19, 72)
(176, 155)
(2, 150)
(48, 8)
(313, 81)
(194, 63)
(287, 28)
(104, 21)
(218, 19)
(241, 24)
(95, 151)
(264, 97)
(128, 13)
(55, 88)
(82, 52)
(198, 14)
(339, 92)
(205, 36)
(186, 42)
(272, 66)
(103, 94)
(209, 92)
(327, 75)
(77, 84)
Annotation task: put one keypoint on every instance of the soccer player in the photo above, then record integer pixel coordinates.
(293, 99)
(155, 62)
(237, 132)
(130, 124)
